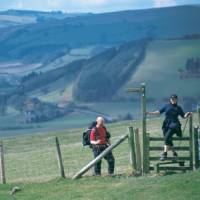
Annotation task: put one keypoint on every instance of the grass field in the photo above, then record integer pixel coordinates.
(175, 187)
(31, 164)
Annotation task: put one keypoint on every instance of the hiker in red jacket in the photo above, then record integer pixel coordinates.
(100, 140)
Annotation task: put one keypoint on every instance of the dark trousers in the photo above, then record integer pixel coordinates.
(97, 150)
(169, 129)
(168, 134)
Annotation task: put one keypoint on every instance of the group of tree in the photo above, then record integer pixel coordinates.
(191, 70)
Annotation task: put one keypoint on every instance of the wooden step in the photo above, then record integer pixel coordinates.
(174, 139)
(170, 158)
(174, 168)
(170, 162)
(184, 148)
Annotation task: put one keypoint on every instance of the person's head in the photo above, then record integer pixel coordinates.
(174, 99)
(100, 121)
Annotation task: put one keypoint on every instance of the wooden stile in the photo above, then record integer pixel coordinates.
(191, 140)
(196, 148)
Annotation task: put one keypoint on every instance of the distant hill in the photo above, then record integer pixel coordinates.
(106, 76)
(44, 41)
(96, 57)
(89, 79)
(21, 17)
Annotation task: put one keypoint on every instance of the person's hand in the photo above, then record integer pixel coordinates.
(188, 114)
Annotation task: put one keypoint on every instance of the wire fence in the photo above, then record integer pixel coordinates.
(34, 159)
(31, 162)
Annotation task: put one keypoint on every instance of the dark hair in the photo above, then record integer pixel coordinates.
(173, 96)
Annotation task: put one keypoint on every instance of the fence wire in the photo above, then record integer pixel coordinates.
(34, 158)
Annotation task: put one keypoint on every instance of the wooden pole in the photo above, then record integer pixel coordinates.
(138, 151)
(132, 149)
(2, 164)
(59, 157)
(191, 140)
(98, 158)
(196, 148)
(198, 112)
(144, 132)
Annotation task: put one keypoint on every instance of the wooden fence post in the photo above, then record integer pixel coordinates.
(198, 112)
(144, 131)
(138, 151)
(196, 148)
(145, 135)
(2, 165)
(191, 140)
(59, 157)
(131, 139)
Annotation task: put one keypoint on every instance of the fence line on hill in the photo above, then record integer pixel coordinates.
(41, 158)
(49, 158)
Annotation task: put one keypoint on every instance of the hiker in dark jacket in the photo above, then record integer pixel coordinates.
(171, 124)
(100, 140)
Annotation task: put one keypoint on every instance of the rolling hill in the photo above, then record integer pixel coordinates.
(45, 41)
(94, 58)
(22, 17)
(106, 76)
(161, 69)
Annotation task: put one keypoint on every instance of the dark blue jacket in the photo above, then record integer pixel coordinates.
(172, 112)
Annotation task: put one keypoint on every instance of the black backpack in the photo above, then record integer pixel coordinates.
(86, 134)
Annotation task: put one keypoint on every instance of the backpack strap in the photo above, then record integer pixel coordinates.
(96, 133)
(107, 134)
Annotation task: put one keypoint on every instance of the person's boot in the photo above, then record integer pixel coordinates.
(163, 156)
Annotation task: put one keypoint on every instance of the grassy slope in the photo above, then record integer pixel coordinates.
(32, 159)
(160, 68)
(179, 187)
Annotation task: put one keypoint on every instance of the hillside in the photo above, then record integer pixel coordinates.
(161, 70)
(130, 64)
(91, 60)
(106, 77)
(22, 17)
(98, 70)
(37, 43)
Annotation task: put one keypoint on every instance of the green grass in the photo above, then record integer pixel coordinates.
(31, 164)
(32, 157)
(176, 187)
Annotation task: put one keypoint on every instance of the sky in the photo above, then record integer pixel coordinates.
(95, 6)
